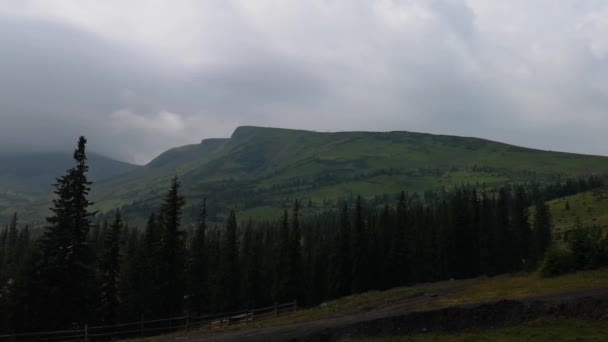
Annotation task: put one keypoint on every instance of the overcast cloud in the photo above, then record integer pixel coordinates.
(140, 76)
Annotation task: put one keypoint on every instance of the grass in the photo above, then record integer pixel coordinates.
(540, 330)
(524, 286)
(449, 293)
(588, 208)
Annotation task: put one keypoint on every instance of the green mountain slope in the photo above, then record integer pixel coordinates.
(259, 170)
(25, 179)
(587, 209)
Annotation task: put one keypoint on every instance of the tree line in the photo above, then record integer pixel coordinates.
(80, 271)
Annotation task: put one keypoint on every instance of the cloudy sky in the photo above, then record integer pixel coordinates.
(140, 76)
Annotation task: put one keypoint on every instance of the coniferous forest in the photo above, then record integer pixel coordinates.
(78, 270)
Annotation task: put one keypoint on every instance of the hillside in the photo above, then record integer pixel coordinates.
(588, 209)
(25, 179)
(259, 170)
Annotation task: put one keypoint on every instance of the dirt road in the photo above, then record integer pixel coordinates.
(400, 318)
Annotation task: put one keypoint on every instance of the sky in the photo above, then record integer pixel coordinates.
(138, 77)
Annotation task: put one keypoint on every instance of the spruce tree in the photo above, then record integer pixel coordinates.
(282, 262)
(229, 285)
(295, 255)
(343, 276)
(198, 272)
(360, 256)
(251, 261)
(542, 228)
(109, 270)
(11, 242)
(172, 252)
(65, 271)
(399, 245)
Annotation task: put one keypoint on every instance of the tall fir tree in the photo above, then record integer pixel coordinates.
(295, 255)
(11, 242)
(172, 251)
(360, 255)
(282, 261)
(229, 285)
(197, 267)
(542, 228)
(109, 271)
(65, 272)
(342, 277)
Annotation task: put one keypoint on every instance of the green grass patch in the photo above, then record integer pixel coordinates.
(540, 330)
(588, 209)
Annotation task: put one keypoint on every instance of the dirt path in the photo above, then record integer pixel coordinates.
(402, 318)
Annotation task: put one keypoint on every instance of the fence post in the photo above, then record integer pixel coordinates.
(141, 326)
(86, 332)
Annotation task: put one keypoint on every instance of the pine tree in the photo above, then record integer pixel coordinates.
(151, 268)
(65, 272)
(282, 262)
(343, 276)
(251, 261)
(172, 252)
(521, 229)
(11, 242)
(360, 256)
(542, 229)
(295, 255)
(109, 270)
(229, 285)
(198, 272)
(399, 245)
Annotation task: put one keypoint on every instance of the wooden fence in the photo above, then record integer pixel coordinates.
(152, 327)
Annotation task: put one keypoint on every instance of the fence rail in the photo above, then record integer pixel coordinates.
(151, 327)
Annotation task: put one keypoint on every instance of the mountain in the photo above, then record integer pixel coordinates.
(259, 170)
(26, 178)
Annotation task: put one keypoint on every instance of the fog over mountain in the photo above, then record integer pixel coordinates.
(138, 77)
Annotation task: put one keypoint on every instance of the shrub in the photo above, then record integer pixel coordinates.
(558, 260)
(588, 247)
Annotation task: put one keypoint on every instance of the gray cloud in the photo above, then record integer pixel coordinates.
(139, 77)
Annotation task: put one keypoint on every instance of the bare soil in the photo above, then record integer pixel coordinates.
(401, 318)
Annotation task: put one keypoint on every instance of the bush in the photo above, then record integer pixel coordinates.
(558, 260)
(588, 247)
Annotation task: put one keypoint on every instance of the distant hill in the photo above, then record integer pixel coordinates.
(25, 179)
(259, 170)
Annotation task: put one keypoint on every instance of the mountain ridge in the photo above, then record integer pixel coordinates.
(259, 170)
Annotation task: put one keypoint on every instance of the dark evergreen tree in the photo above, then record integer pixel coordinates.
(11, 241)
(342, 277)
(65, 272)
(294, 287)
(109, 270)
(252, 263)
(172, 251)
(398, 255)
(198, 272)
(360, 244)
(282, 261)
(542, 228)
(229, 285)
